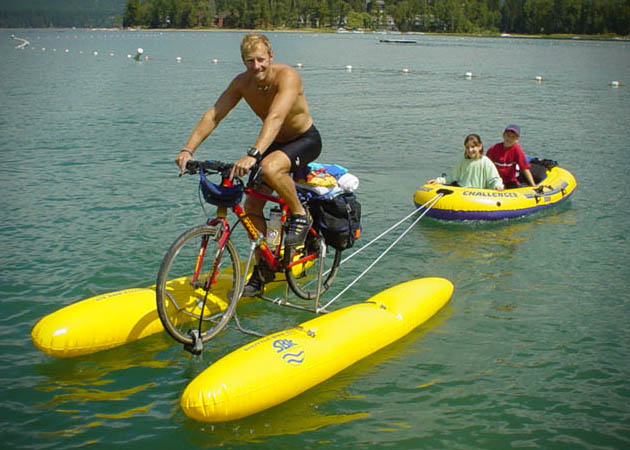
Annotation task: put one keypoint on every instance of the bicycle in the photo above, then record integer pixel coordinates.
(195, 285)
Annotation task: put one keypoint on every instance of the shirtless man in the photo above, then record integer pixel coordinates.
(287, 140)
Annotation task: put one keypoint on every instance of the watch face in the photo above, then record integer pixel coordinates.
(253, 152)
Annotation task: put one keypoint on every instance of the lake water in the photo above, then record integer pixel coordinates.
(531, 352)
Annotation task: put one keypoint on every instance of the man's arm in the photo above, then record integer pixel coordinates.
(209, 121)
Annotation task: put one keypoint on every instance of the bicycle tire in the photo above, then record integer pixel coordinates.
(302, 279)
(182, 306)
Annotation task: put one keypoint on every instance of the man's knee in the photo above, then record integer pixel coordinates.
(275, 165)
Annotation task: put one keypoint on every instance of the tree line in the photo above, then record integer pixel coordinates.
(586, 17)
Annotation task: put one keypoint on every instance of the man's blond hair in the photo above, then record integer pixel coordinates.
(253, 41)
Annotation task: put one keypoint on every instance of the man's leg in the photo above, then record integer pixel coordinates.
(276, 168)
(254, 208)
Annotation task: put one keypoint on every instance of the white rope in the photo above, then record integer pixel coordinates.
(432, 201)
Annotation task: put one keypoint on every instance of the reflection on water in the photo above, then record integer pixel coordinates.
(92, 369)
(81, 395)
(487, 242)
(89, 387)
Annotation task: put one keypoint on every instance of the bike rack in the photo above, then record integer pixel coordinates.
(284, 299)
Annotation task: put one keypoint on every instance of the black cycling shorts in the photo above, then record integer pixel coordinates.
(301, 150)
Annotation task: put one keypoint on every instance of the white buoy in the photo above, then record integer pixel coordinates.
(146, 57)
(67, 50)
(128, 55)
(111, 54)
(405, 70)
(299, 65)
(469, 75)
(43, 49)
(214, 60)
(349, 68)
(615, 83)
(538, 78)
(95, 53)
(178, 59)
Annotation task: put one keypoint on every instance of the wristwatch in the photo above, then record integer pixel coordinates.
(255, 153)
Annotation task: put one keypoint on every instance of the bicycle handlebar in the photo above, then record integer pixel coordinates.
(193, 167)
(212, 167)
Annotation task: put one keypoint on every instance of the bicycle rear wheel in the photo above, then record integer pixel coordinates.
(303, 276)
(197, 285)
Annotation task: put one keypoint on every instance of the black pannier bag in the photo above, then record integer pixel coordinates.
(338, 219)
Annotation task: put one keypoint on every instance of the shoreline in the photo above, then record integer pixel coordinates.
(569, 37)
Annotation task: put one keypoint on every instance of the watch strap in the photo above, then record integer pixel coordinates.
(255, 153)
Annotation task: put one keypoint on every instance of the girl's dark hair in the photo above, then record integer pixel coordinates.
(477, 138)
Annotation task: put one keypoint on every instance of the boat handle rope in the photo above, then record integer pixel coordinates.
(424, 208)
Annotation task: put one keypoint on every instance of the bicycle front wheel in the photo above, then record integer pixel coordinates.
(304, 265)
(197, 285)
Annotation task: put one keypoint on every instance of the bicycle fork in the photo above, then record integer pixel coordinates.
(197, 344)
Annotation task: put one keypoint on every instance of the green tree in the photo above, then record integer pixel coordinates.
(522, 16)
(512, 16)
(401, 13)
(130, 17)
(537, 16)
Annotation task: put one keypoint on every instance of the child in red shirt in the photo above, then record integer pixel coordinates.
(507, 154)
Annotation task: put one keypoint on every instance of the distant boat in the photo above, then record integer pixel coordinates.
(398, 41)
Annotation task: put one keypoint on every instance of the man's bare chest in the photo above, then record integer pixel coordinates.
(259, 102)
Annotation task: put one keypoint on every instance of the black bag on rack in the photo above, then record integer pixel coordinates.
(338, 219)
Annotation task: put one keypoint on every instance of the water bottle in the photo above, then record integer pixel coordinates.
(273, 225)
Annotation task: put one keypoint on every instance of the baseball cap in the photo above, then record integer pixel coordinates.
(514, 128)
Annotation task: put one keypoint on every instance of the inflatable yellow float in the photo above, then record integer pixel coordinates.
(275, 368)
(108, 320)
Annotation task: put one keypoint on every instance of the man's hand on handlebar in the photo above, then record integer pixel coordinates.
(182, 158)
(242, 166)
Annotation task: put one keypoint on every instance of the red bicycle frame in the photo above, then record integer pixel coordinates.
(272, 258)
